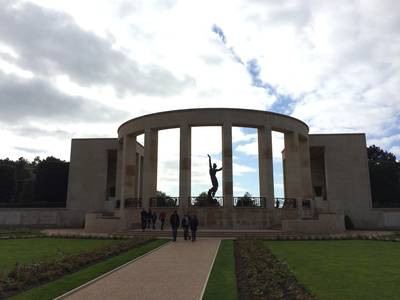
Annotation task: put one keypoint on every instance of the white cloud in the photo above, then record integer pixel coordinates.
(385, 141)
(396, 151)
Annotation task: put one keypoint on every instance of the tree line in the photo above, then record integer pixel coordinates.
(41, 182)
(384, 173)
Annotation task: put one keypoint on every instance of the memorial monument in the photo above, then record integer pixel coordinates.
(325, 175)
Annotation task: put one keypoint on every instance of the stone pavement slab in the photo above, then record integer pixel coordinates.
(177, 271)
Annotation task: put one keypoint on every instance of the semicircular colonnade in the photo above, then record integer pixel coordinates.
(296, 154)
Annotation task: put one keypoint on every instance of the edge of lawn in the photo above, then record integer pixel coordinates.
(69, 282)
(222, 281)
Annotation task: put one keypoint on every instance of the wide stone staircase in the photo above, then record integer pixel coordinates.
(220, 233)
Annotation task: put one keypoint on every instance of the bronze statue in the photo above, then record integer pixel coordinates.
(213, 171)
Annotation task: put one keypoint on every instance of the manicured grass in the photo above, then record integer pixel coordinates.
(69, 282)
(222, 281)
(38, 249)
(343, 269)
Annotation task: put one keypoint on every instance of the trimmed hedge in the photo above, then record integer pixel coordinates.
(25, 276)
(260, 275)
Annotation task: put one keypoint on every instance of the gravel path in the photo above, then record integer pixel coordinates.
(176, 271)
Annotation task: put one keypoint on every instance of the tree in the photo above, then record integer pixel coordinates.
(51, 180)
(203, 200)
(246, 200)
(384, 171)
(163, 200)
(8, 182)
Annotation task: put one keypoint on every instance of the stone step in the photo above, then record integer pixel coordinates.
(208, 233)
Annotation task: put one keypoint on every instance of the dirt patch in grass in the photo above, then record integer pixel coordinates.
(260, 275)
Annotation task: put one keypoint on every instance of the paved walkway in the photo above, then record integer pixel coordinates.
(176, 271)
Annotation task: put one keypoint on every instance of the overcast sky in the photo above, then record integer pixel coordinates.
(72, 69)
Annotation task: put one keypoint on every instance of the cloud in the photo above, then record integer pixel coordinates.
(247, 144)
(35, 132)
(23, 100)
(50, 43)
(30, 150)
(396, 151)
(385, 141)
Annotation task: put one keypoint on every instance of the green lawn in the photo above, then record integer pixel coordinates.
(71, 281)
(222, 281)
(38, 249)
(343, 269)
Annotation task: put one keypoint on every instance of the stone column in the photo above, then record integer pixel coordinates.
(227, 174)
(265, 163)
(185, 166)
(305, 168)
(128, 169)
(150, 166)
(141, 176)
(137, 175)
(292, 169)
(118, 179)
(292, 166)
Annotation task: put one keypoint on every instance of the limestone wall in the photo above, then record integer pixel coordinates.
(87, 183)
(347, 177)
(41, 217)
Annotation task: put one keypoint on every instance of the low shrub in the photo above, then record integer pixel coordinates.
(24, 276)
(348, 223)
(261, 275)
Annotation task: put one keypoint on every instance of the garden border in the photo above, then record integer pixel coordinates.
(108, 273)
(209, 271)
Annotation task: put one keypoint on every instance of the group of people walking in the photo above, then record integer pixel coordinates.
(149, 218)
(188, 222)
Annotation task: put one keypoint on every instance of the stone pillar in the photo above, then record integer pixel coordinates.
(185, 166)
(305, 168)
(150, 166)
(292, 166)
(128, 169)
(292, 169)
(265, 163)
(137, 175)
(227, 174)
(141, 176)
(118, 179)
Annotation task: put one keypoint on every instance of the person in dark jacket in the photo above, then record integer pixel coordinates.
(185, 226)
(193, 223)
(154, 219)
(143, 219)
(175, 222)
(162, 219)
(149, 217)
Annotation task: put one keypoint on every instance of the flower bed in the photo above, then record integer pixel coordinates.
(261, 275)
(19, 233)
(24, 276)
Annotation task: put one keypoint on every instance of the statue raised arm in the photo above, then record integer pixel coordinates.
(214, 181)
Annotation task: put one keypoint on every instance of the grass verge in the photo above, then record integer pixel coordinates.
(34, 250)
(222, 281)
(71, 281)
(343, 269)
